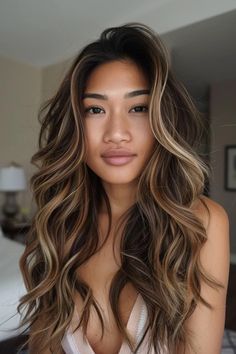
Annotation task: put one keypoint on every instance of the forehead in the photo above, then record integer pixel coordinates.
(116, 74)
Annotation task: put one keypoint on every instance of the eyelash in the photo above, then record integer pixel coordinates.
(92, 108)
(95, 107)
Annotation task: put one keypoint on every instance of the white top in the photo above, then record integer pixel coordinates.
(73, 343)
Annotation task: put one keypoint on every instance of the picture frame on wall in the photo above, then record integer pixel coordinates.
(230, 167)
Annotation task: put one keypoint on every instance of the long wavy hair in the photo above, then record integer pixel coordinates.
(161, 236)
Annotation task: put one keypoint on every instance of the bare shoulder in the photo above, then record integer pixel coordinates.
(211, 213)
(214, 259)
(215, 254)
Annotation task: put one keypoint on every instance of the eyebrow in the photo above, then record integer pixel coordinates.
(105, 97)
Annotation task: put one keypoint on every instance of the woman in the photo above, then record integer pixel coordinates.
(125, 254)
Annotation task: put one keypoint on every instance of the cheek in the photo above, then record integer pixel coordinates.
(146, 135)
(151, 146)
(92, 138)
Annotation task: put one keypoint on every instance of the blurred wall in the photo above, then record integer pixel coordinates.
(223, 132)
(52, 76)
(20, 95)
(23, 88)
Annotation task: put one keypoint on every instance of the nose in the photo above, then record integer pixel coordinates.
(117, 129)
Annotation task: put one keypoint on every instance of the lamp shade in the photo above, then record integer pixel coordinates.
(12, 179)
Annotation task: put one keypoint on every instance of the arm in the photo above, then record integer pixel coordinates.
(207, 325)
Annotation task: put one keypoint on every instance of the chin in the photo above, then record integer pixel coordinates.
(118, 178)
(118, 181)
(117, 175)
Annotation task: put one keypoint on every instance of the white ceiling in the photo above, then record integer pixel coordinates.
(42, 32)
(201, 34)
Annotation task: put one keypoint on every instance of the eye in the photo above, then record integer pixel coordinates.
(94, 110)
(140, 109)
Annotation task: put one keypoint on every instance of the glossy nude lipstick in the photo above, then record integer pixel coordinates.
(117, 157)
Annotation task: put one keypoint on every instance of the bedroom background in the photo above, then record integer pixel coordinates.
(39, 39)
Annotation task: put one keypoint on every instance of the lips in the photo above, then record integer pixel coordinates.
(117, 157)
(117, 153)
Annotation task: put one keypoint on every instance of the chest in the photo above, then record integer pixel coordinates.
(98, 273)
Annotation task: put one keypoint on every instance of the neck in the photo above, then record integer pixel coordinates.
(121, 197)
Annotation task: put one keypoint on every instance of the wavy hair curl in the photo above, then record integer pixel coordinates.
(161, 238)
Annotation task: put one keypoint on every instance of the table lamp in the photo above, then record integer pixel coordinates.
(12, 180)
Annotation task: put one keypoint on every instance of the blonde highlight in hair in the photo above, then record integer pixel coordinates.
(161, 237)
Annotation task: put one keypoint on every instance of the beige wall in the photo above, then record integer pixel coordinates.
(23, 88)
(20, 94)
(223, 132)
(52, 76)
